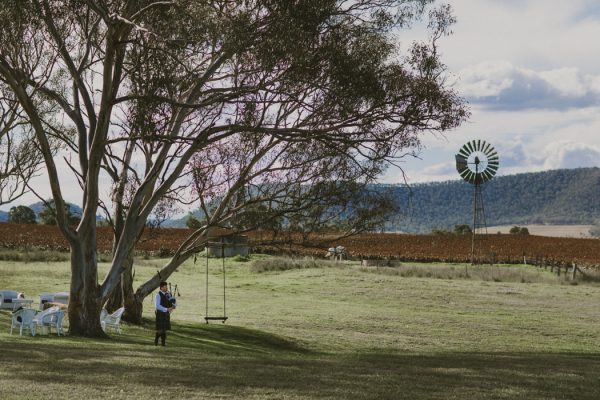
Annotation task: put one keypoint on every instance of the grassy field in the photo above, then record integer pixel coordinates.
(333, 332)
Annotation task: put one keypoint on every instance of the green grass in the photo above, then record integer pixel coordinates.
(496, 273)
(338, 332)
(32, 255)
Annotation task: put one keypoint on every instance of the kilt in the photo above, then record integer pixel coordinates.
(163, 321)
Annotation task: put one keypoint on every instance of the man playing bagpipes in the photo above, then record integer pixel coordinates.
(164, 304)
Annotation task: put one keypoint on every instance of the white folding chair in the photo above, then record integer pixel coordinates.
(111, 320)
(52, 317)
(22, 319)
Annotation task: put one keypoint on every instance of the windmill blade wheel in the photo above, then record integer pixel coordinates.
(477, 161)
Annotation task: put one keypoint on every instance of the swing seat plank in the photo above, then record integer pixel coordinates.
(222, 319)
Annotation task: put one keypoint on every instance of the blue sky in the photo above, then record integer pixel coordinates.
(530, 70)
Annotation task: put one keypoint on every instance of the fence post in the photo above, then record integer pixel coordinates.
(574, 272)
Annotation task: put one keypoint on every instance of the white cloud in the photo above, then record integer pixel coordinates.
(535, 34)
(513, 154)
(501, 85)
(486, 79)
(568, 81)
(568, 154)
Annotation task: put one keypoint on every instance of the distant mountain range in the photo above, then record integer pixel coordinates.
(565, 196)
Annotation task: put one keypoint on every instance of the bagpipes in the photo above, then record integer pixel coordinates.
(171, 296)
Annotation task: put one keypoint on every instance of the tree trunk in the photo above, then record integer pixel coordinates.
(117, 297)
(124, 296)
(115, 300)
(85, 300)
(134, 307)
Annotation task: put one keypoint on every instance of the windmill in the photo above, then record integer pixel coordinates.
(477, 162)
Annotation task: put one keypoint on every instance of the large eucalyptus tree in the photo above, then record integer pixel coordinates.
(244, 107)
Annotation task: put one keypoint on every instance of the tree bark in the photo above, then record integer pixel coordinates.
(115, 300)
(84, 302)
(124, 296)
(134, 307)
(125, 285)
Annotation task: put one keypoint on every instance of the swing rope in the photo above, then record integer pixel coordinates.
(207, 317)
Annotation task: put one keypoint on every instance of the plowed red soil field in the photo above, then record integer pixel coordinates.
(448, 248)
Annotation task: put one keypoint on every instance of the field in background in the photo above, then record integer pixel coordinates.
(325, 332)
(571, 231)
(422, 248)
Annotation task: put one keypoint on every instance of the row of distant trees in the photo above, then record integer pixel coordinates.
(25, 215)
(515, 230)
(464, 229)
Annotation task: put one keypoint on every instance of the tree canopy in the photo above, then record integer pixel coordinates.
(519, 230)
(48, 214)
(21, 215)
(238, 106)
(462, 229)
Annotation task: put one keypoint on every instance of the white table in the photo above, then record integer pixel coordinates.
(25, 303)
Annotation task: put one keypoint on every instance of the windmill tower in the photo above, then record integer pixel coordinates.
(477, 162)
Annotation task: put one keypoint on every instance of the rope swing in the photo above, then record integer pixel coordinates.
(207, 316)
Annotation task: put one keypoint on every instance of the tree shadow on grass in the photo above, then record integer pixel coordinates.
(223, 361)
(219, 338)
(204, 374)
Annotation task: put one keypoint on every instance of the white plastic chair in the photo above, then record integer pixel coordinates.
(111, 320)
(22, 319)
(52, 317)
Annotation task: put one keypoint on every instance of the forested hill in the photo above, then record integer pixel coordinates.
(566, 196)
